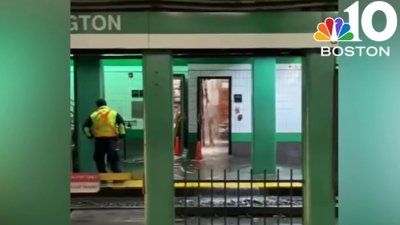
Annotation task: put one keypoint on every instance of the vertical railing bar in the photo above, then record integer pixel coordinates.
(225, 209)
(238, 188)
(265, 188)
(185, 193)
(212, 188)
(251, 188)
(185, 197)
(278, 197)
(212, 195)
(265, 194)
(225, 188)
(198, 195)
(291, 196)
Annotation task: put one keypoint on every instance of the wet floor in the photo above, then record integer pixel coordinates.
(136, 217)
(216, 164)
(218, 201)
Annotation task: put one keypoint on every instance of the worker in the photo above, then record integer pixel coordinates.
(106, 126)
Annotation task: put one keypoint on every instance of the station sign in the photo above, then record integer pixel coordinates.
(98, 23)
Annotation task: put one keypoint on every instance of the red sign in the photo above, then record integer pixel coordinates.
(84, 183)
(85, 177)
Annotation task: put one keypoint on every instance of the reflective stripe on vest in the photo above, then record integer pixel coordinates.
(103, 121)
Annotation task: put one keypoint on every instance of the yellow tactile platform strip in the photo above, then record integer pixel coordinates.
(135, 181)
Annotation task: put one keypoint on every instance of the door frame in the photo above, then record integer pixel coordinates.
(199, 125)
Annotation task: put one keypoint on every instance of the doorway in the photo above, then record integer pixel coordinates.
(214, 114)
(179, 109)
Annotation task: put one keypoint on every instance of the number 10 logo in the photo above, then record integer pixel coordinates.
(367, 21)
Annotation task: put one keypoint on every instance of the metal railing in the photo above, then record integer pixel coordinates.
(240, 220)
(252, 197)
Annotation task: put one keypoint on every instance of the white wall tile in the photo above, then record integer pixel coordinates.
(288, 98)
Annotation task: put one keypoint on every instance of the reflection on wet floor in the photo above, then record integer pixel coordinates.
(136, 217)
(190, 202)
(217, 159)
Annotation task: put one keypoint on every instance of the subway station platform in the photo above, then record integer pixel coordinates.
(216, 170)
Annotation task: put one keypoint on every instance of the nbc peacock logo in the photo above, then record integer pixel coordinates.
(333, 30)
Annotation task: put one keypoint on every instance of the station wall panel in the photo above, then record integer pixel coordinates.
(118, 87)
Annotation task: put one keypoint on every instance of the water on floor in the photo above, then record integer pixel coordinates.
(215, 158)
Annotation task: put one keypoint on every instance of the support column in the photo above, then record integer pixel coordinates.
(158, 138)
(318, 84)
(264, 145)
(88, 88)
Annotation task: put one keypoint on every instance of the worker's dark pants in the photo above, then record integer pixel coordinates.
(106, 147)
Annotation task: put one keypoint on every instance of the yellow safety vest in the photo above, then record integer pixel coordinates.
(104, 122)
